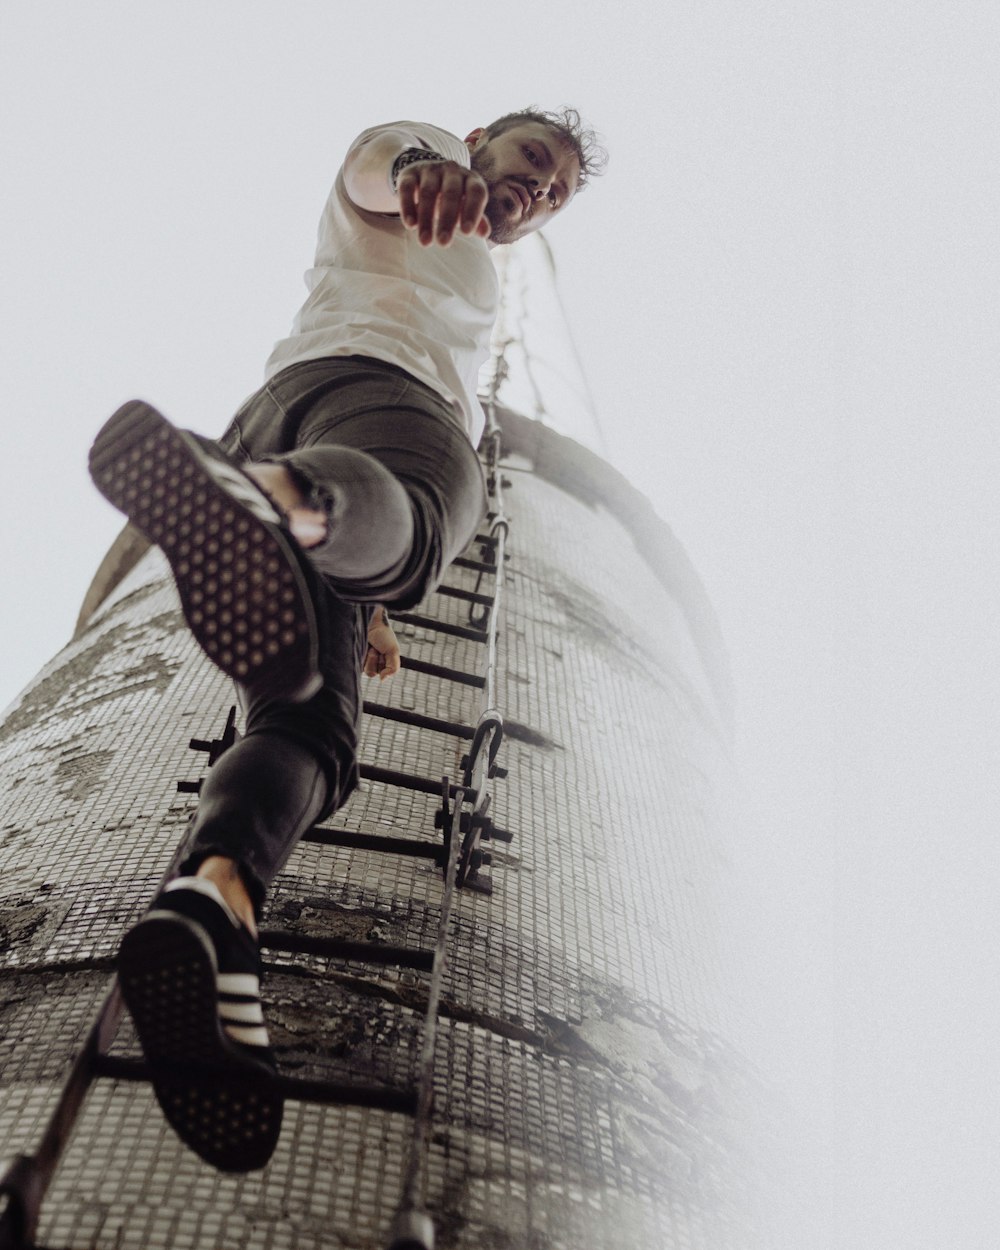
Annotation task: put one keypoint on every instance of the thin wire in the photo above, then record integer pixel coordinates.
(591, 407)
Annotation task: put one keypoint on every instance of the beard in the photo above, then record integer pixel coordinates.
(503, 208)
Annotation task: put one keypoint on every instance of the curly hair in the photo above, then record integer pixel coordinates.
(566, 123)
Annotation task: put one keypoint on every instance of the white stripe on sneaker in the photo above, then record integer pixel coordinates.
(243, 984)
(241, 1013)
(248, 1036)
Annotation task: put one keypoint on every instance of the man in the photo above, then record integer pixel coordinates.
(357, 485)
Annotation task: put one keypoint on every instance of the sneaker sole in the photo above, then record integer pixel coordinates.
(221, 1104)
(243, 592)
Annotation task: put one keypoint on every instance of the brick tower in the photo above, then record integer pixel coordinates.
(533, 1058)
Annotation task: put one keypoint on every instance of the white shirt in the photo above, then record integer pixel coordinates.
(374, 291)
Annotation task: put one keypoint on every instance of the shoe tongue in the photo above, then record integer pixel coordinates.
(201, 885)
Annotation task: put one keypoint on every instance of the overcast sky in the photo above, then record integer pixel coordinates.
(785, 292)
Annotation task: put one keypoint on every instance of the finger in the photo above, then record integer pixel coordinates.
(407, 190)
(371, 662)
(430, 182)
(476, 195)
(450, 202)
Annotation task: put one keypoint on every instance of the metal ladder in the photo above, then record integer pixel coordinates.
(464, 825)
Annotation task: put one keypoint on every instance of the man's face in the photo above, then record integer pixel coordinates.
(531, 175)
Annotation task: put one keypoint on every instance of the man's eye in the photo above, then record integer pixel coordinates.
(552, 198)
(531, 156)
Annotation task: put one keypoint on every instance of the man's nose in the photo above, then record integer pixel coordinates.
(538, 188)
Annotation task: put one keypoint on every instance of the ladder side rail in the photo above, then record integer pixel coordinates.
(412, 1226)
(480, 764)
(27, 1179)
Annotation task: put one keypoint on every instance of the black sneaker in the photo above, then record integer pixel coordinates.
(190, 975)
(243, 584)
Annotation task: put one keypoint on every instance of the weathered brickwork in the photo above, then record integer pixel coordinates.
(585, 1093)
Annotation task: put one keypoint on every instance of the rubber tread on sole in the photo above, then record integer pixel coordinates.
(242, 590)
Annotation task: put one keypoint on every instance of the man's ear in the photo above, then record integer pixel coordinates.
(473, 137)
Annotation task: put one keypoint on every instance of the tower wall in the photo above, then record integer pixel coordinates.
(585, 1091)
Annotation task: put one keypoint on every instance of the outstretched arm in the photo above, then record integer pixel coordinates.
(382, 657)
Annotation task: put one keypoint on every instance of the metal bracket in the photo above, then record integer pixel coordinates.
(214, 748)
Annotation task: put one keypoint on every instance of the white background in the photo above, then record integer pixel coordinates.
(785, 292)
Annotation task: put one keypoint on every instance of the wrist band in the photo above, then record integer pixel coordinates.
(410, 156)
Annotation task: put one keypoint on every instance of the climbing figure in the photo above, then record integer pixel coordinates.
(342, 488)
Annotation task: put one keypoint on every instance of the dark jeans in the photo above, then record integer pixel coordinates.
(404, 492)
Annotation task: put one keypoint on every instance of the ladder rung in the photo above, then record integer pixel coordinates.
(441, 627)
(484, 538)
(477, 566)
(301, 1089)
(340, 948)
(469, 596)
(383, 1097)
(373, 842)
(452, 727)
(439, 670)
(406, 781)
